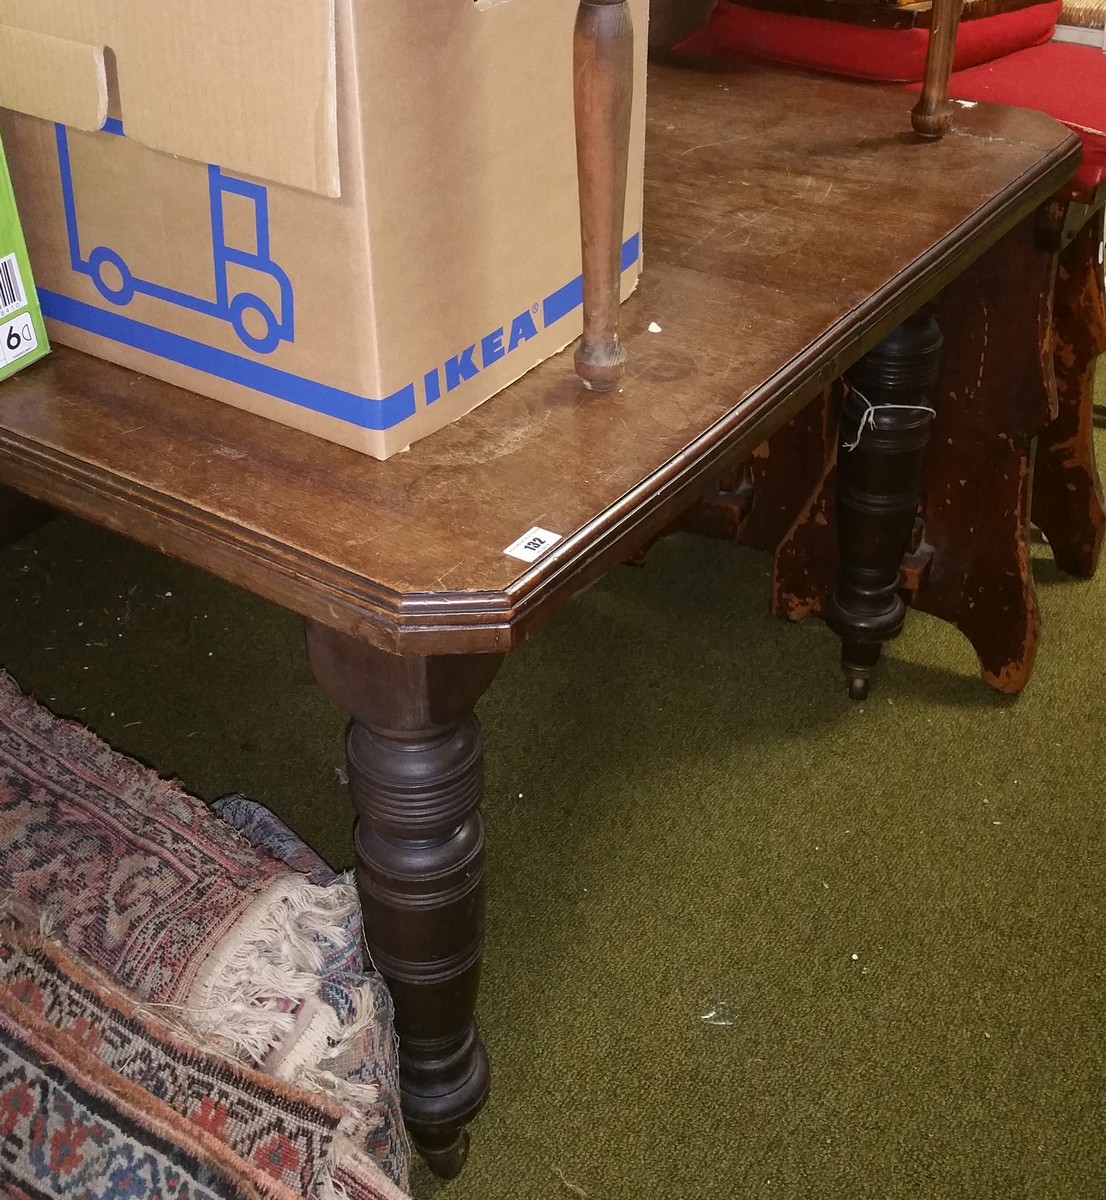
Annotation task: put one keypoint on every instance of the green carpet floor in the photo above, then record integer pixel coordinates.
(746, 939)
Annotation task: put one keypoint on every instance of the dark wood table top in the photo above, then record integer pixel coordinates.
(791, 221)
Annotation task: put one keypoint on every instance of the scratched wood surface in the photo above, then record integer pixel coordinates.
(790, 223)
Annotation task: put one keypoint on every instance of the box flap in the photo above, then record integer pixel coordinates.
(53, 78)
(249, 85)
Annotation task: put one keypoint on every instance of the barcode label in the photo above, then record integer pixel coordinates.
(12, 295)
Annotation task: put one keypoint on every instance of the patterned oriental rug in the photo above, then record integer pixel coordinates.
(100, 1099)
(245, 943)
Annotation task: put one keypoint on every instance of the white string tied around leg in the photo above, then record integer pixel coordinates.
(868, 420)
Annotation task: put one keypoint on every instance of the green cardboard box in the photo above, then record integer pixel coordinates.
(22, 334)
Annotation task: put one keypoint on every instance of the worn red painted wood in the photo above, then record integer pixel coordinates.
(1068, 503)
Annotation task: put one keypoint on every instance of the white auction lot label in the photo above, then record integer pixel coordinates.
(533, 544)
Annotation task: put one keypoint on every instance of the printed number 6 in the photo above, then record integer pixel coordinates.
(14, 339)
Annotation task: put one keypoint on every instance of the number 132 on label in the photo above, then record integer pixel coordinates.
(533, 544)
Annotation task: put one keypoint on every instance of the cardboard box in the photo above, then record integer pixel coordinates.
(22, 335)
(358, 217)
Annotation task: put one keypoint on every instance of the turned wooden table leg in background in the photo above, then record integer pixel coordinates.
(603, 71)
(415, 757)
(1067, 492)
(885, 423)
(968, 560)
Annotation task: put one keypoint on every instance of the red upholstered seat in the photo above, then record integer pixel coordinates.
(1064, 80)
(861, 52)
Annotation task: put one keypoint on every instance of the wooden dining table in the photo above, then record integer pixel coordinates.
(794, 229)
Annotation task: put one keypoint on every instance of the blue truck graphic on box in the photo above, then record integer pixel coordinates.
(253, 319)
(262, 326)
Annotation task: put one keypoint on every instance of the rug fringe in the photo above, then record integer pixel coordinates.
(259, 993)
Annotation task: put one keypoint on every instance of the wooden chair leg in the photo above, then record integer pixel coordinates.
(885, 424)
(603, 65)
(1068, 504)
(933, 112)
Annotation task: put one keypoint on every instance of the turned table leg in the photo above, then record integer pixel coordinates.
(603, 70)
(416, 775)
(968, 560)
(885, 423)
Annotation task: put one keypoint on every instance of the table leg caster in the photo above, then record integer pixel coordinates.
(858, 661)
(444, 1083)
(445, 1157)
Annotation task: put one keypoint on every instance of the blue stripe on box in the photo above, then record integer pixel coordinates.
(565, 299)
(361, 411)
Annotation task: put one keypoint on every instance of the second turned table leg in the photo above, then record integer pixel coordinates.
(415, 756)
(885, 424)
(969, 560)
